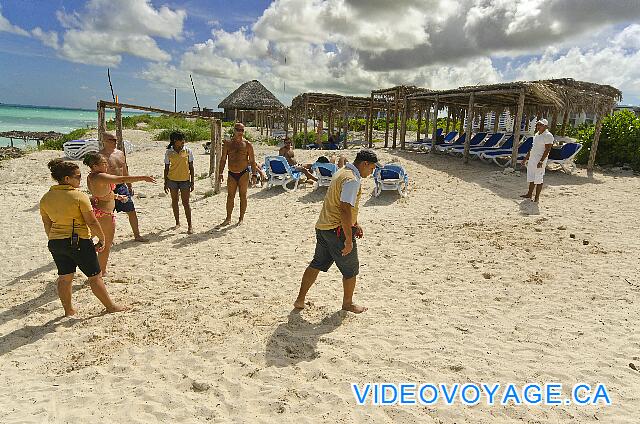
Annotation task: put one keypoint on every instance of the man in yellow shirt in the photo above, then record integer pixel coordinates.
(336, 230)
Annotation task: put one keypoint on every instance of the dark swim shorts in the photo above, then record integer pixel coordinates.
(128, 206)
(329, 250)
(68, 258)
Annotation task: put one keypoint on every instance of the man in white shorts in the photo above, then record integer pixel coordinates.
(536, 159)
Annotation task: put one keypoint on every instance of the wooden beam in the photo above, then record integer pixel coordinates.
(218, 149)
(467, 139)
(594, 145)
(434, 139)
(420, 123)
(516, 130)
(403, 124)
(565, 122)
(395, 118)
(346, 122)
(119, 141)
(101, 123)
(386, 125)
(370, 133)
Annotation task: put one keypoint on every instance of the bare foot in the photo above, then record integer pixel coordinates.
(177, 226)
(536, 200)
(356, 309)
(239, 222)
(190, 230)
(526, 196)
(224, 223)
(298, 304)
(140, 239)
(71, 312)
(117, 308)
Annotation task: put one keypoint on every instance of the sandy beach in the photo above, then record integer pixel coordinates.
(464, 283)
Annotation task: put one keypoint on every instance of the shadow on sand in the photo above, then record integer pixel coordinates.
(477, 172)
(296, 340)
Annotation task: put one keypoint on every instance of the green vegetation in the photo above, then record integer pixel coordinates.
(57, 144)
(619, 140)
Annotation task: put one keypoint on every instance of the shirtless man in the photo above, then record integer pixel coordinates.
(117, 165)
(287, 152)
(240, 154)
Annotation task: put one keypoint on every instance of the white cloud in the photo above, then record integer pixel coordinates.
(106, 29)
(6, 26)
(49, 38)
(353, 46)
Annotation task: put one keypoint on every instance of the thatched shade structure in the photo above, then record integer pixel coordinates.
(395, 106)
(330, 106)
(532, 98)
(250, 96)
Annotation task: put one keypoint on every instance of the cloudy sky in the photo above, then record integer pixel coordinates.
(55, 52)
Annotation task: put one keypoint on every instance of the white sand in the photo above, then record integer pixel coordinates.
(463, 281)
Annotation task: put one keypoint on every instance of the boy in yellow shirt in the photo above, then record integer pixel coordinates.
(179, 176)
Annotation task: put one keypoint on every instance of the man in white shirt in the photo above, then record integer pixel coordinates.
(536, 159)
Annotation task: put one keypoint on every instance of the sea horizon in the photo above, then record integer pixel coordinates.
(17, 117)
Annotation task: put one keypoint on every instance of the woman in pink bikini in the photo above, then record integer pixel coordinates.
(101, 186)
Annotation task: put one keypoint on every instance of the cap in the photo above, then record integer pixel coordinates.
(543, 122)
(367, 155)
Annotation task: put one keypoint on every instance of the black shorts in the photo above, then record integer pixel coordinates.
(67, 258)
(124, 206)
(329, 250)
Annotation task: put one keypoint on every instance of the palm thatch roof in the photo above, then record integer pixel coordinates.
(251, 95)
(543, 96)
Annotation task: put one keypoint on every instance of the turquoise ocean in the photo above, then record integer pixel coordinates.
(44, 118)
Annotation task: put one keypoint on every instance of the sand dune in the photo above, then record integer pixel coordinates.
(464, 282)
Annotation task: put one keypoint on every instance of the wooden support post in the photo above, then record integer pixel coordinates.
(434, 139)
(120, 142)
(594, 145)
(213, 161)
(516, 131)
(346, 122)
(386, 125)
(468, 128)
(496, 120)
(370, 136)
(554, 121)
(286, 123)
(305, 117)
(565, 122)
(483, 116)
(102, 126)
(420, 123)
(448, 124)
(395, 118)
(218, 154)
(403, 124)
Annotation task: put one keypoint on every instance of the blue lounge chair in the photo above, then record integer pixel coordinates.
(565, 157)
(324, 173)
(504, 155)
(422, 141)
(492, 141)
(279, 172)
(426, 145)
(475, 140)
(390, 177)
(476, 152)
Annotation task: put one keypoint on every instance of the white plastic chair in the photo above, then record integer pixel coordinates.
(279, 173)
(390, 177)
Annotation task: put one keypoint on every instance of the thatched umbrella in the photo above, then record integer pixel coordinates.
(251, 95)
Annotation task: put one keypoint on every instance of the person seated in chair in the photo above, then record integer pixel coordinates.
(287, 152)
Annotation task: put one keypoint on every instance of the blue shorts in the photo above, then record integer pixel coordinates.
(128, 206)
(329, 250)
(179, 185)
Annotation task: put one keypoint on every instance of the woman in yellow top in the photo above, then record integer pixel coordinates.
(69, 222)
(103, 200)
(178, 176)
